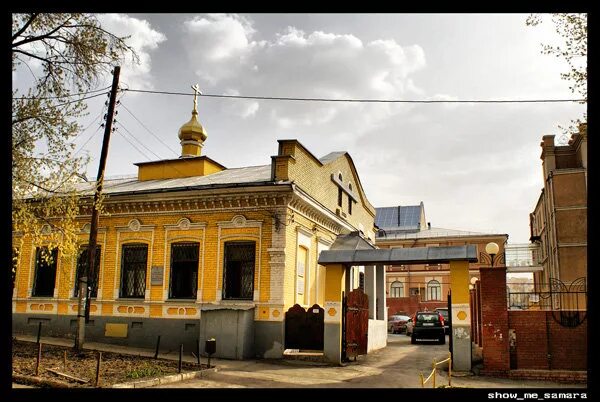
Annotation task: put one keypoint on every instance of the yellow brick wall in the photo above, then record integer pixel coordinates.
(158, 230)
(292, 255)
(153, 232)
(314, 179)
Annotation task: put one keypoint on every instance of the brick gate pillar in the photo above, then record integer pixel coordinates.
(335, 278)
(494, 320)
(461, 312)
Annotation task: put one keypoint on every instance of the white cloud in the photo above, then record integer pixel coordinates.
(295, 63)
(241, 108)
(143, 38)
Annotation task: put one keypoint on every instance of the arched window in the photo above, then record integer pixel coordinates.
(397, 289)
(434, 290)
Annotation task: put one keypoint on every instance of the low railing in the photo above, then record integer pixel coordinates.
(568, 301)
(522, 255)
(432, 375)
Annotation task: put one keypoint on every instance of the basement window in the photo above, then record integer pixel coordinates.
(238, 272)
(184, 270)
(133, 270)
(45, 272)
(82, 264)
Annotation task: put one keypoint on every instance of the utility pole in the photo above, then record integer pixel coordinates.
(83, 310)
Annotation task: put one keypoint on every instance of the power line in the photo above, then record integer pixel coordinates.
(63, 96)
(88, 140)
(138, 141)
(147, 129)
(89, 125)
(133, 145)
(359, 100)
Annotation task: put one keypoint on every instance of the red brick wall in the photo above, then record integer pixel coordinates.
(494, 320)
(531, 345)
(568, 346)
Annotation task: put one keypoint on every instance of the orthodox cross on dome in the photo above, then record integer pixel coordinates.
(197, 92)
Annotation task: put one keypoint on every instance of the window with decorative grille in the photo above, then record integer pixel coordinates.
(82, 264)
(184, 270)
(45, 272)
(238, 272)
(133, 270)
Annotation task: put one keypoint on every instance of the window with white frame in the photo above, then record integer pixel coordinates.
(434, 290)
(397, 289)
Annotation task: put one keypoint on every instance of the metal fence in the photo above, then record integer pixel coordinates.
(555, 295)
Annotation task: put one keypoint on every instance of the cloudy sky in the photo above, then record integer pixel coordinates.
(475, 166)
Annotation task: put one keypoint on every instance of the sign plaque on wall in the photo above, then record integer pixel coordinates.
(156, 275)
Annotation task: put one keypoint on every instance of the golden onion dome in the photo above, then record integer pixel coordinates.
(193, 130)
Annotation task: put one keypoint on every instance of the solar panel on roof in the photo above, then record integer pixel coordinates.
(388, 217)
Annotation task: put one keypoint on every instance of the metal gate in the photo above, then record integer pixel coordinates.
(356, 311)
(304, 329)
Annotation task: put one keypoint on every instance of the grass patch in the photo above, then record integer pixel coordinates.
(145, 371)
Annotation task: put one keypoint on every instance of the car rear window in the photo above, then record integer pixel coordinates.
(433, 317)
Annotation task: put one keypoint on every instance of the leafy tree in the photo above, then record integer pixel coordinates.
(572, 27)
(66, 55)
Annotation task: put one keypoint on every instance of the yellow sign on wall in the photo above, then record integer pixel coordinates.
(115, 330)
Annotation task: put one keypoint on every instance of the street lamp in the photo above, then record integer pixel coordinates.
(492, 249)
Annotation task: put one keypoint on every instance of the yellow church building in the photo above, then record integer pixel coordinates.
(190, 250)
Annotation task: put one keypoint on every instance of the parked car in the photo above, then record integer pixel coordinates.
(444, 312)
(397, 323)
(428, 325)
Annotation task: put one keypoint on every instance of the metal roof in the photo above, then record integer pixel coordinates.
(416, 255)
(351, 241)
(430, 233)
(235, 176)
(331, 157)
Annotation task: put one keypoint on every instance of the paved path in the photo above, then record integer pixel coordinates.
(396, 366)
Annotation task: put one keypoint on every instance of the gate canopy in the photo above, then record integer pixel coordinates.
(395, 256)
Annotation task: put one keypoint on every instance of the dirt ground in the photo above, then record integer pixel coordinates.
(114, 368)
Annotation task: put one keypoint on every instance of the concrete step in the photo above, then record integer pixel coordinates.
(316, 356)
